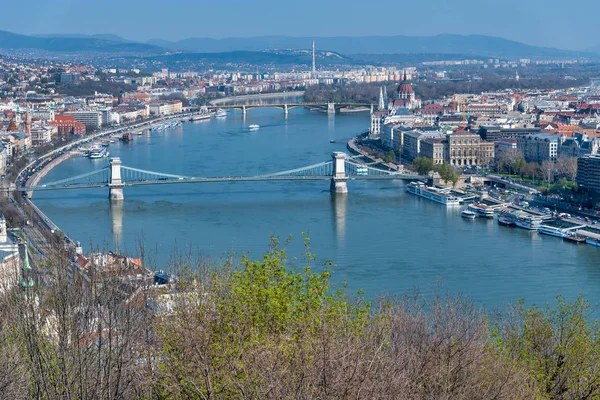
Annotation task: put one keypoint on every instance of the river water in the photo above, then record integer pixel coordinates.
(380, 238)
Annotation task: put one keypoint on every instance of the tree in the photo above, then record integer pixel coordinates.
(531, 170)
(390, 157)
(567, 167)
(559, 347)
(423, 165)
(511, 160)
(448, 173)
(548, 171)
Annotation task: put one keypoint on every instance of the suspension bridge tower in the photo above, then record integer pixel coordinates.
(339, 178)
(116, 184)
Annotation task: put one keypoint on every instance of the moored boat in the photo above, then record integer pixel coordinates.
(442, 196)
(200, 117)
(569, 237)
(506, 220)
(528, 222)
(468, 214)
(482, 210)
(551, 231)
(127, 137)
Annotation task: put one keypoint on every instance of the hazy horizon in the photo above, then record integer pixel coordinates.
(531, 22)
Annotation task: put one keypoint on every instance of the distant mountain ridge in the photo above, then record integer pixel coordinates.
(475, 45)
(102, 36)
(468, 45)
(239, 57)
(74, 44)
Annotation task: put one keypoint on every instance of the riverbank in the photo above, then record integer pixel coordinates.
(264, 96)
(354, 149)
(69, 151)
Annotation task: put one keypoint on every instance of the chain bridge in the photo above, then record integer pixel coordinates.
(116, 176)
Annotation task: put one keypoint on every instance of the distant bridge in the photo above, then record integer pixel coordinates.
(330, 108)
(116, 176)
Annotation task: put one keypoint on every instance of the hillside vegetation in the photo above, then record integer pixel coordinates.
(268, 330)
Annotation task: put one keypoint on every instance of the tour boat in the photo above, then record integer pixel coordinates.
(528, 222)
(101, 153)
(573, 238)
(221, 113)
(593, 241)
(551, 231)
(482, 210)
(468, 214)
(200, 117)
(127, 137)
(506, 220)
(254, 127)
(442, 196)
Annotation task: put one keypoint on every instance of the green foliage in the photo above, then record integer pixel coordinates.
(423, 165)
(559, 346)
(390, 157)
(448, 173)
(263, 306)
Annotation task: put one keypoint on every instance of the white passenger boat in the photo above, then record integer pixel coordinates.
(552, 231)
(528, 222)
(254, 127)
(200, 117)
(102, 153)
(482, 210)
(442, 196)
(468, 214)
(221, 113)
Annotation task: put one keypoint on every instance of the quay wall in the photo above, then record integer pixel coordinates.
(48, 167)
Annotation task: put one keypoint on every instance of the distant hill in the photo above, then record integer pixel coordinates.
(103, 36)
(68, 44)
(594, 49)
(471, 45)
(274, 57)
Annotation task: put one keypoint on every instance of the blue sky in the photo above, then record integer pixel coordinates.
(551, 23)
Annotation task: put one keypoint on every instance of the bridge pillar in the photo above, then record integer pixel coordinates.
(330, 108)
(339, 178)
(116, 184)
(285, 109)
(244, 110)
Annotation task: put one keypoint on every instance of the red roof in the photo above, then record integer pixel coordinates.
(405, 88)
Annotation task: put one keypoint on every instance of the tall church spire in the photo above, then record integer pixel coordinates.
(381, 102)
(385, 96)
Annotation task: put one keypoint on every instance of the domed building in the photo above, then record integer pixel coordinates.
(406, 97)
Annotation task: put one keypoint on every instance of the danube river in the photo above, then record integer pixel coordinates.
(380, 238)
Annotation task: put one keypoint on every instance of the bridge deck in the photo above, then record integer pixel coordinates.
(220, 179)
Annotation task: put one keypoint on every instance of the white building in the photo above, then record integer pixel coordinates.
(42, 134)
(91, 119)
(10, 261)
(166, 108)
(3, 159)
